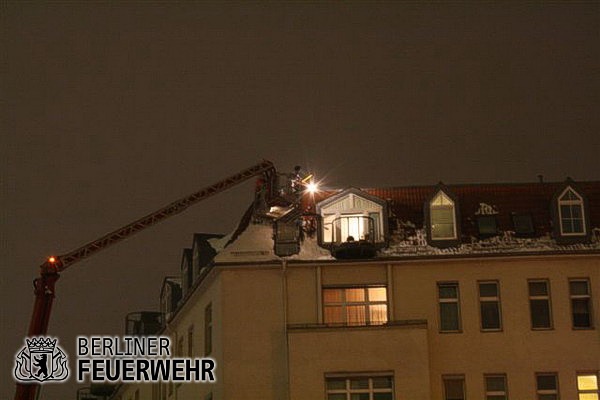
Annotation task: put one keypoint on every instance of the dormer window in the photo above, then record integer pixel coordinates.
(442, 215)
(352, 216)
(571, 213)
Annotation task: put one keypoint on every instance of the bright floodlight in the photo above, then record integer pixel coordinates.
(312, 187)
(52, 259)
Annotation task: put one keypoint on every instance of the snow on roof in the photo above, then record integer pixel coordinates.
(255, 243)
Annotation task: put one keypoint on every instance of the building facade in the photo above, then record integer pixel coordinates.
(434, 292)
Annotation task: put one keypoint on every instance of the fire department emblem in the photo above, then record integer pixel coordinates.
(41, 360)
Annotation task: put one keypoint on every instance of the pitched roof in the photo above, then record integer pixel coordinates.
(407, 203)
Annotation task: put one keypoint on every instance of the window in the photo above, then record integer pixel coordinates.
(581, 303)
(355, 305)
(208, 330)
(547, 386)
(587, 386)
(487, 225)
(523, 225)
(454, 387)
(190, 340)
(360, 388)
(495, 387)
(353, 213)
(442, 217)
(539, 304)
(571, 213)
(449, 307)
(489, 302)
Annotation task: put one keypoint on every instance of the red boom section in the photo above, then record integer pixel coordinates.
(49, 271)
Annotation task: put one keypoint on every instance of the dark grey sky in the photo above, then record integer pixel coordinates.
(109, 111)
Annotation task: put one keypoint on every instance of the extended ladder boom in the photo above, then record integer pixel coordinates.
(49, 271)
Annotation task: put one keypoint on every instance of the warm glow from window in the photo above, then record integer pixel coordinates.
(442, 217)
(587, 382)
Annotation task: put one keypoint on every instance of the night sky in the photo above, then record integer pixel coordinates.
(112, 110)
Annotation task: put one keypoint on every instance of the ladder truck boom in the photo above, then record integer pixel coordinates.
(44, 285)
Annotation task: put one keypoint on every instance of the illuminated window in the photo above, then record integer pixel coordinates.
(587, 386)
(581, 303)
(355, 305)
(495, 387)
(454, 387)
(352, 214)
(208, 330)
(547, 386)
(539, 304)
(360, 388)
(449, 307)
(442, 217)
(571, 213)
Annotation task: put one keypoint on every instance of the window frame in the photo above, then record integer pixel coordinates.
(540, 392)
(586, 296)
(365, 375)
(547, 297)
(449, 300)
(580, 203)
(495, 393)
(514, 216)
(444, 195)
(588, 391)
(480, 218)
(454, 377)
(366, 303)
(495, 299)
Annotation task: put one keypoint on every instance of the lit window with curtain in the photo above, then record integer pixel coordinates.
(571, 213)
(365, 305)
(587, 386)
(442, 217)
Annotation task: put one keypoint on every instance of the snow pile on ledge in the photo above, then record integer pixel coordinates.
(310, 250)
(254, 244)
(416, 245)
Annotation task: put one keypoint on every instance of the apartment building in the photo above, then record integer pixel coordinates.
(445, 292)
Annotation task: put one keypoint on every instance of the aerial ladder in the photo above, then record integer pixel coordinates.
(44, 285)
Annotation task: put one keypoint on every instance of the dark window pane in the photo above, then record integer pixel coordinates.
(546, 382)
(581, 313)
(567, 226)
(548, 397)
(382, 382)
(577, 226)
(495, 384)
(578, 287)
(449, 317)
(382, 396)
(448, 292)
(538, 289)
(359, 396)
(523, 224)
(454, 389)
(565, 211)
(576, 212)
(336, 396)
(540, 314)
(488, 289)
(490, 315)
(359, 383)
(495, 397)
(336, 383)
(487, 225)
